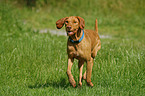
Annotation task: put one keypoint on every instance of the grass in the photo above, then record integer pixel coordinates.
(32, 63)
(117, 18)
(36, 65)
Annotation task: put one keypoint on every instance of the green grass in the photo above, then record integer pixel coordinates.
(36, 65)
(116, 18)
(32, 63)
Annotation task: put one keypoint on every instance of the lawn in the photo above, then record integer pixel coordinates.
(34, 64)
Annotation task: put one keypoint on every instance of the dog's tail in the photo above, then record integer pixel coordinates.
(96, 26)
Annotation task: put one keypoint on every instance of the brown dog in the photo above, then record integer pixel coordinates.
(82, 45)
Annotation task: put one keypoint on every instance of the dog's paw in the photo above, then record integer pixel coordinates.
(74, 85)
(72, 82)
(90, 84)
(80, 84)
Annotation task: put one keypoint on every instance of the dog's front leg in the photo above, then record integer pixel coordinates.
(89, 72)
(70, 76)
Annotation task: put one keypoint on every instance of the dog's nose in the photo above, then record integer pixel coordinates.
(68, 27)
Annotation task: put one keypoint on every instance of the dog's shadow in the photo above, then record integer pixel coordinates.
(55, 84)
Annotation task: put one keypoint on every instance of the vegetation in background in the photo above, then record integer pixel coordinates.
(115, 17)
(32, 63)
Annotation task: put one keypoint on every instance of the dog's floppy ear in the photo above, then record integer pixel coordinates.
(60, 23)
(82, 22)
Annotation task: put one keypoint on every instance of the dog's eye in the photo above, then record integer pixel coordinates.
(75, 22)
(66, 22)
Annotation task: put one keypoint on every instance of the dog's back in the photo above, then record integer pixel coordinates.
(93, 36)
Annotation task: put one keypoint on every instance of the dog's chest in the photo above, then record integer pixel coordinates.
(78, 51)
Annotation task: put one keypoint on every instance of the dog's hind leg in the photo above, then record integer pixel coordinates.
(80, 65)
(89, 72)
(84, 76)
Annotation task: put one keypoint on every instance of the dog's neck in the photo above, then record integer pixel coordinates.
(77, 36)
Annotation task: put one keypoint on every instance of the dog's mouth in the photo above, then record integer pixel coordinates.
(69, 33)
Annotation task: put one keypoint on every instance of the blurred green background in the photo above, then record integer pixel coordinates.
(122, 18)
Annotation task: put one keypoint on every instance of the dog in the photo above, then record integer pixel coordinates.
(82, 45)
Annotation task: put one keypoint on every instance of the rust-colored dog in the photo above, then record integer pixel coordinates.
(82, 45)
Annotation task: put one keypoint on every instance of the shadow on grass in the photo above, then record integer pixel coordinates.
(61, 84)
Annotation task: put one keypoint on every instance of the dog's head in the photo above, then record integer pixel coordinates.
(72, 24)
